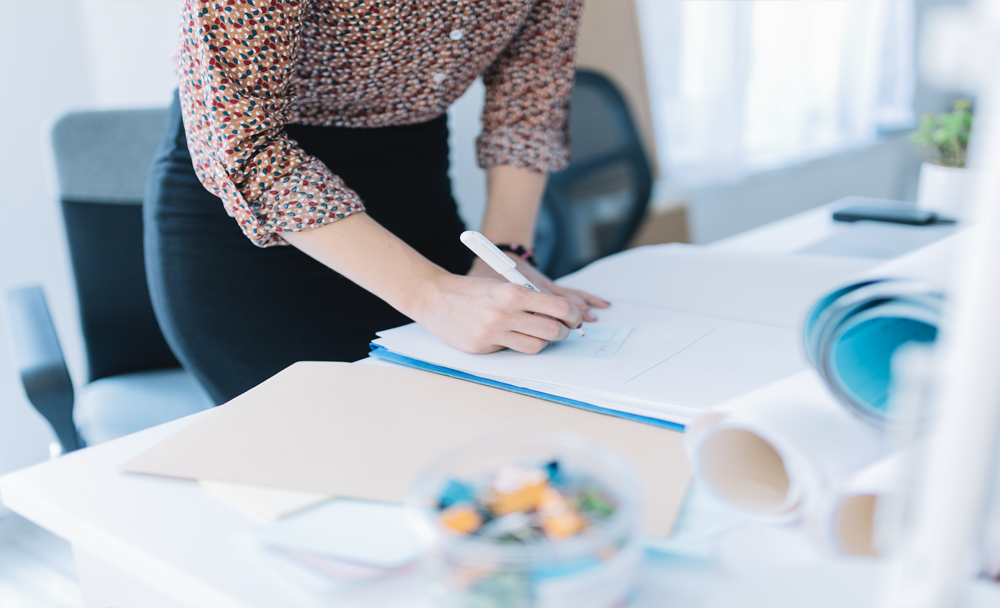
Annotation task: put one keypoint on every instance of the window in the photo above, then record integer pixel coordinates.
(739, 87)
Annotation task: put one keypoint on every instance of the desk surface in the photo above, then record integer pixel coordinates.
(182, 546)
(815, 232)
(183, 543)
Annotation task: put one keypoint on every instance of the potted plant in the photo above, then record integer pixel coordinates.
(943, 141)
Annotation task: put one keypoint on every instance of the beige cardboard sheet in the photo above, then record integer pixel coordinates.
(366, 432)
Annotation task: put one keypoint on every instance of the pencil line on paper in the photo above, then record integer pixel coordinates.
(670, 357)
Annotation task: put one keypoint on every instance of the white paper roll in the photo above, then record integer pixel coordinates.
(774, 452)
(843, 521)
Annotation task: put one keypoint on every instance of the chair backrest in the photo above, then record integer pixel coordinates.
(593, 208)
(101, 160)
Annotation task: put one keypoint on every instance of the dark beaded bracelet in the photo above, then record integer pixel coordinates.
(521, 252)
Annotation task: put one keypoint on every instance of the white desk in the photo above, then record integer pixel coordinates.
(814, 231)
(142, 541)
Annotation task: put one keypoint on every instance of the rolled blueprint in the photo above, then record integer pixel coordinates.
(774, 452)
(851, 335)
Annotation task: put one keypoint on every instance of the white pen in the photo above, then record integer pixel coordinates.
(499, 261)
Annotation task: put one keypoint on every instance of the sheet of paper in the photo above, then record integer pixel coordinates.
(374, 534)
(599, 343)
(366, 432)
(269, 503)
(739, 286)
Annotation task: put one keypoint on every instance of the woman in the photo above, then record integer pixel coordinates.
(321, 125)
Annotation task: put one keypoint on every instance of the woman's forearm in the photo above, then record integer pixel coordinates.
(472, 314)
(362, 250)
(513, 197)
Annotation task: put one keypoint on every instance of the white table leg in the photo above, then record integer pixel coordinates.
(106, 586)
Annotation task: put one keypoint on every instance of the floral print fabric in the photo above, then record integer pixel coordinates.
(249, 67)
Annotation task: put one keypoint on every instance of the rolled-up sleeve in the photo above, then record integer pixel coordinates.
(235, 62)
(526, 114)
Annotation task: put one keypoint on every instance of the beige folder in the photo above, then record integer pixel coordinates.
(366, 432)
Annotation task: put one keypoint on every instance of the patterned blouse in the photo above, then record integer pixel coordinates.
(248, 67)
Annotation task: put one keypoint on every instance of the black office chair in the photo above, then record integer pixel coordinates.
(134, 381)
(593, 208)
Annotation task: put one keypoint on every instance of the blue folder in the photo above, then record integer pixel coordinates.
(383, 353)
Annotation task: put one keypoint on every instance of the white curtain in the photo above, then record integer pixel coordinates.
(741, 86)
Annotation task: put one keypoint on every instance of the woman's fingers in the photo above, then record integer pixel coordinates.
(541, 327)
(582, 300)
(557, 307)
(577, 301)
(592, 300)
(529, 345)
(588, 299)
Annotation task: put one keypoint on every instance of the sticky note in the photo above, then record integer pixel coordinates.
(599, 343)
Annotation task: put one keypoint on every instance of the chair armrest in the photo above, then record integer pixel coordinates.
(40, 362)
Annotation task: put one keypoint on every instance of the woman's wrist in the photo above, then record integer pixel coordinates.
(426, 293)
(513, 197)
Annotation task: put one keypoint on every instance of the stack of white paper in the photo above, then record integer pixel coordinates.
(659, 371)
(689, 328)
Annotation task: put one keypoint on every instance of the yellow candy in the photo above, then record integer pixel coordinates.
(559, 519)
(461, 518)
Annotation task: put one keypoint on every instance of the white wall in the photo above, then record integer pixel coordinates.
(886, 169)
(130, 49)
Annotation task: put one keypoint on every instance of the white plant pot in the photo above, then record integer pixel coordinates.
(942, 190)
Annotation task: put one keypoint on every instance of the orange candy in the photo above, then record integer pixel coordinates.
(461, 518)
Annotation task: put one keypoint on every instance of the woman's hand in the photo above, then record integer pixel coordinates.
(581, 299)
(513, 197)
(471, 314)
(482, 316)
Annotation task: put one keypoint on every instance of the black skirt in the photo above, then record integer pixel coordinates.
(235, 314)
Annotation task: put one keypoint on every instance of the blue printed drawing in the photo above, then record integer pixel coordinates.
(599, 343)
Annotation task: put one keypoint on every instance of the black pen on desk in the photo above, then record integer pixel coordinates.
(500, 262)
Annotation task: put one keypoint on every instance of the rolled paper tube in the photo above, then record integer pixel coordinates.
(772, 453)
(843, 522)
